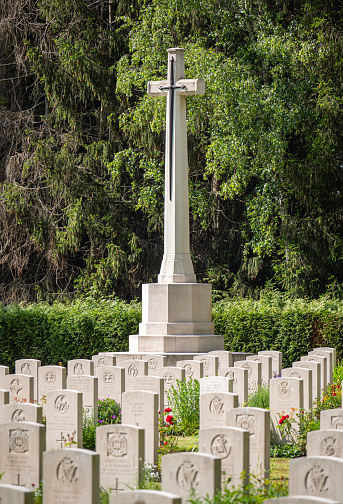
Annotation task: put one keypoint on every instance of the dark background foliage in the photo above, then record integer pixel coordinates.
(82, 147)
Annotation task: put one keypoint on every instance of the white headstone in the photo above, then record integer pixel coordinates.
(266, 369)
(80, 367)
(50, 378)
(11, 494)
(20, 387)
(140, 408)
(331, 419)
(193, 369)
(111, 382)
(231, 445)
(22, 412)
(22, 445)
(88, 386)
(29, 367)
(276, 361)
(213, 408)
(145, 496)
(254, 373)
(306, 376)
(121, 450)
(64, 419)
(184, 473)
(71, 476)
(239, 377)
(315, 368)
(325, 443)
(210, 363)
(286, 398)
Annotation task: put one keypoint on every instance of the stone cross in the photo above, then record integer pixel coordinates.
(176, 265)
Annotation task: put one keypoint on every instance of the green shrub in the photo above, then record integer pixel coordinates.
(108, 413)
(184, 400)
(55, 334)
(292, 326)
(260, 399)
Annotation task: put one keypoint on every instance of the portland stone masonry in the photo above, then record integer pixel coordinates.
(80, 367)
(145, 496)
(231, 445)
(22, 445)
(29, 367)
(71, 476)
(21, 412)
(325, 443)
(210, 363)
(316, 477)
(331, 419)
(88, 386)
(4, 370)
(306, 376)
(286, 397)
(276, 361)
(121, 450)
(140, 408)
(64, 419)
(254, 373)
(329, 365)
(215, 384)
(213, 408)
(103, 361)
(10, 494)
(225, 358)
(170, 376)
(257, 422)
(193, 369)
(184, 473)
(322, 361)
(266, 367)
(239, 377)
(4, 397)
(50, 378)
(111, 382)
(176, 312)
(315, 368)
(20, 387)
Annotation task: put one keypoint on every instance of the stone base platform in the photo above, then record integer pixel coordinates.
(200, 343)
(171, 358)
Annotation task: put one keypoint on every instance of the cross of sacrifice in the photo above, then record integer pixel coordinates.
(176, 266)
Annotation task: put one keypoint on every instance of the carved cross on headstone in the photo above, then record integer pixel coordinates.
(62, 440)
(18, 481)
(176, 266)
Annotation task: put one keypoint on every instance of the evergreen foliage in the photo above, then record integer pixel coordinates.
(82, 146)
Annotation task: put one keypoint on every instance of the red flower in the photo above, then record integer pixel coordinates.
(334, 393)
(170, 419)
(287, 416)
(281, 421)
(165, 443)
(167, 410)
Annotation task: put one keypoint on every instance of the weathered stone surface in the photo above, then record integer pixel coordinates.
(20, 387)
(239, 376)
(29, 367)
(21, 412)
(111, 382)
(183, 473)
(64, 419)
(10, 494)
(315, 368)
(213, 408)
(306, 376)
(317, 477)
(80, 367)
(286, 397)
(121, 450)
(215, 384)
(193, 369)
(231, 445)
(140, 408)
(257, 422)
(145, 497)
(71, 476)
(22, 445)
(210, 363)
(331, 419)
(276, 361)
(254, 373)
(325, 443)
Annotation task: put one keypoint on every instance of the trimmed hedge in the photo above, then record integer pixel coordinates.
(81, 329)
(291, 326)
(62, 332)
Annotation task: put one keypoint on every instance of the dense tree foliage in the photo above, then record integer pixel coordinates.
(82, 146)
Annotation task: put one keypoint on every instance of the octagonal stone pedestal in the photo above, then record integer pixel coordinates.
(176, 318)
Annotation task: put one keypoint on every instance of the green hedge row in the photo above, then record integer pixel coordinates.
(81, 329)
(291, 326)
(61, 332)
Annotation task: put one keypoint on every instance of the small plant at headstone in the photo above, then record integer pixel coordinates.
(89, 430)
(166, 429)
(331, 399)
(260, 399)
(109, 412)
(184, 399)
(152, 477)
(296, 426)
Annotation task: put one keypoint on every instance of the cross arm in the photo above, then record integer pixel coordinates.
(153, 88)
(191, 86)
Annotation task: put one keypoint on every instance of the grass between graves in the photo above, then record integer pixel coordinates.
(279, 467)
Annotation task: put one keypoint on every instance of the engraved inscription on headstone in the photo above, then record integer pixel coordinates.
(284, 390)
(317, 480)
(329, 447)
(61, 404)
(116, 444)
(26, 368)
(220, 446)
(187, 476)
(18, 441)
(67, 471)
(217, 406)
